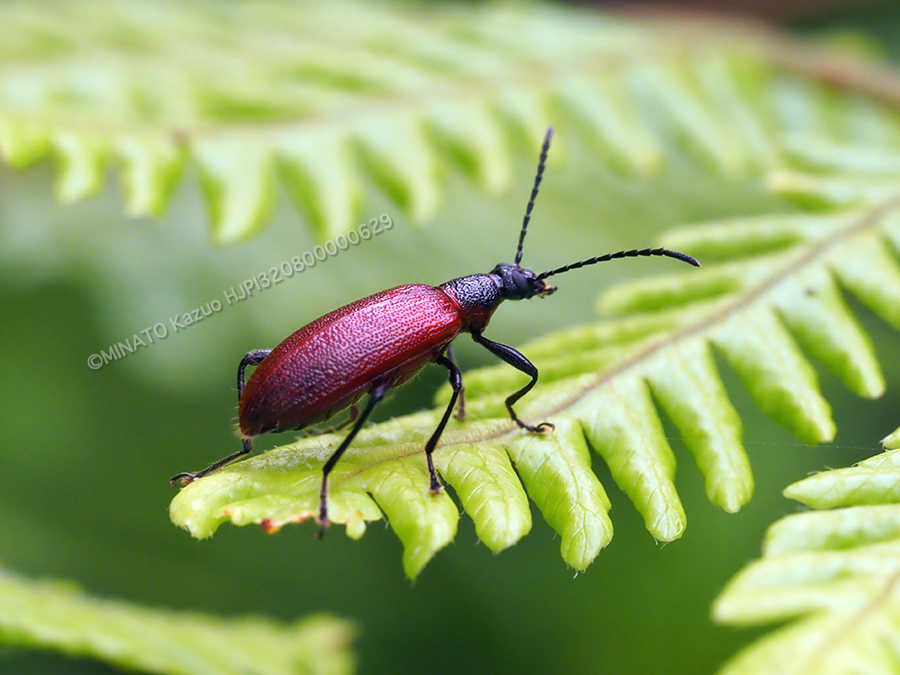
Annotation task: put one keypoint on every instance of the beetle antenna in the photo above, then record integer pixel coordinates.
(634, 253)
(534, 191)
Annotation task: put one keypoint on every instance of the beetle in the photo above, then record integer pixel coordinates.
(380, 342)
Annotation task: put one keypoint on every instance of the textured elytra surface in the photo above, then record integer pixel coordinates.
(329, 363)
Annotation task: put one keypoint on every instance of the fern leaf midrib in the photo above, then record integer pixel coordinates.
(717, 316)
(462, 90)
(844, 71)
(742, 301)
(519, 73)
(852, 623)
(441, 91)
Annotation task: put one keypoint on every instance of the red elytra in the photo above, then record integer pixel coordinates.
(382, 341)
(331, 363)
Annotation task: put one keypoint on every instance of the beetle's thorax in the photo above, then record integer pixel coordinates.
(478, 295)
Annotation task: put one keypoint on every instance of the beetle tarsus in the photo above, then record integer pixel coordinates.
(323, 509)
(518, 361)
(436, 486)
(541, 428)
(187, 478)
(323, 525)
(253, 358)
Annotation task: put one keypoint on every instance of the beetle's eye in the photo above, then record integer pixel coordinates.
(522, 285)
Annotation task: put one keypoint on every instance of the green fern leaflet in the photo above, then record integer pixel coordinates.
(57, 615)
(832, 573)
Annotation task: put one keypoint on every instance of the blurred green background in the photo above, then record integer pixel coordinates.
(87, 457)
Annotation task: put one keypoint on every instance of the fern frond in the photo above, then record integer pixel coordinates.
(769, 297)
(832, 574)
(327, 103)
(765, 310)
(56, 615)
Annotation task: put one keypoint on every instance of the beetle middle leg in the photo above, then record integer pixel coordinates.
(457, 385)
(253, 358)
(519, 362)
(374, 397)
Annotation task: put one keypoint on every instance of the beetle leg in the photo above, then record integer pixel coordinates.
(351, 418)
(374, 397)
(457, 385)
(519, 362)
(185, 478)
(317, 431)
(461, 406)
(253, 358)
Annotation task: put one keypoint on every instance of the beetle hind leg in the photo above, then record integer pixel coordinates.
(185, 478)
(253, 358)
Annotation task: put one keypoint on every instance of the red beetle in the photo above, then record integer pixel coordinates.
(382, 341)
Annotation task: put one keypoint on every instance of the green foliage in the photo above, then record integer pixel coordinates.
(343, 106)
(765, 311)
(832, 574)
(320, 99)
(768, 298)
(56, 615)
(328, 101)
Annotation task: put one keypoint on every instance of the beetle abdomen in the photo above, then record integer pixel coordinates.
(334, 361)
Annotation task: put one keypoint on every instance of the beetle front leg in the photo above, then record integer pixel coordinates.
(519, 362)
(253, 358)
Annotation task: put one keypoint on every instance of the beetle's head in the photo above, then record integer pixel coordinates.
(518, 283)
